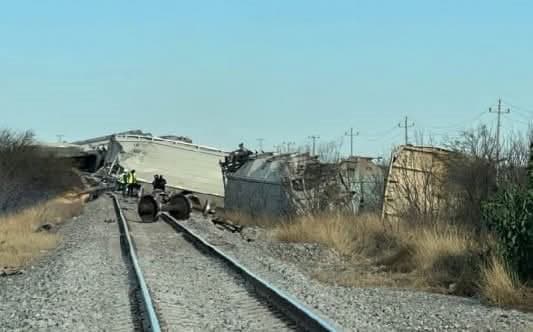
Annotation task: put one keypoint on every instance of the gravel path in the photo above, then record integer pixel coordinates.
(367, 309)
(193, 291)
(82, 286)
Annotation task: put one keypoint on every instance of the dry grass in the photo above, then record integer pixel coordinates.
(443, 259)
(19, 241)
(447, 259)
(348, 236)
(499, 285)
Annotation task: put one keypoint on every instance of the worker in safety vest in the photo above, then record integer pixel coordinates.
(120, 182)
(124, 181)
(132, 182)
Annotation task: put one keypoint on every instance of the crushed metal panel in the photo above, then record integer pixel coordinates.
(281, 184)
(365, 180)
(256, 188)
(255, 197)
(417, 175)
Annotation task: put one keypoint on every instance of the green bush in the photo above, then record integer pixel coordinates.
(510, 216)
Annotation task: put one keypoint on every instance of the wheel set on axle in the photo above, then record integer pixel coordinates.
(178, 205)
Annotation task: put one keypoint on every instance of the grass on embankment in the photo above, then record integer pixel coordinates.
(443, 259)
(20, 242)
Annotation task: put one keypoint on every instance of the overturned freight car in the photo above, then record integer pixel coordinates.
(416, 183)
(186, 166)
(282, 185)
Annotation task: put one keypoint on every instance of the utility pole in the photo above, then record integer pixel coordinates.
(314, 138)
(288, 145)
(260, 141)
(499, 111)
(351, 134)
(277, 148)
(406, 126)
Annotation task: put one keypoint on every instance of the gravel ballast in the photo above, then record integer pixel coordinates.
(191, 289)
(83, 285)
(357, 309)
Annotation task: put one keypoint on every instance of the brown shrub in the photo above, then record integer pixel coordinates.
(444, 259)
(499, 285)
(447, 258)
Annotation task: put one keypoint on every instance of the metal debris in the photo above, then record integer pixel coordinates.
(9, 271)
(226, 224)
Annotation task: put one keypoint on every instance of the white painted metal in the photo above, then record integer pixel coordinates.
(184, 165)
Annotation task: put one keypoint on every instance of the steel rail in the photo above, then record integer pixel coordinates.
(145, 294)
(299, 313)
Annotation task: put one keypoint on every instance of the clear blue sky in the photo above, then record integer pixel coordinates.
(227, 71)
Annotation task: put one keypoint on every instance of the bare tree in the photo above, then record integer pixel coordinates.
(329, 152)
(314, 184)
(27, 173)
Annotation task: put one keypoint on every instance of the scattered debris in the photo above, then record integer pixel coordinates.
(45, 227)
(9, 271)
(177, 138)
(226, 225)
(249, 234)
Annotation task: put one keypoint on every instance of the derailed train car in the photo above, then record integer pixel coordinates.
(192, 171)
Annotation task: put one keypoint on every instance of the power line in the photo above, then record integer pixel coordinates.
(459, 125)
(515, 107)
(384, 137)
(381, 133)
(522, 114)
(406, 126)
(520, 118)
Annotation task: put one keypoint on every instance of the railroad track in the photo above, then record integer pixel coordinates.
(186, 284)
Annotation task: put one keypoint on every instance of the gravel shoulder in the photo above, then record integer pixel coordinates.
(83, 285)
(288, 267)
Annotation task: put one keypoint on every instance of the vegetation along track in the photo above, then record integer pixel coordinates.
(189, 285)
